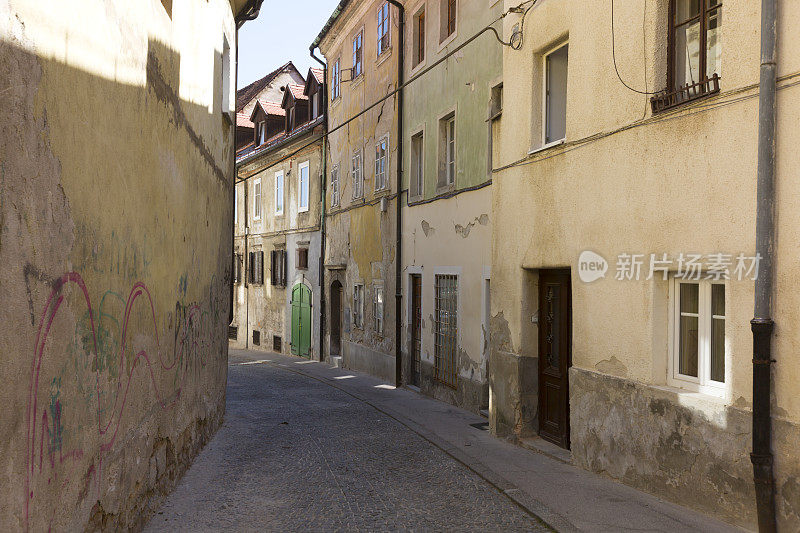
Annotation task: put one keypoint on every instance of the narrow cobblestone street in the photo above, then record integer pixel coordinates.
(298, 454)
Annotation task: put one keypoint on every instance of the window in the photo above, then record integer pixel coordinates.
(279, 193)
(290, 119)
(257, 199)
(377, 309)
(278, 268)
(555, 97)
(233, 333)
(358, 306)
(315, 105)
(237, 269)
(261, 133)
(417, 164)
(358, 52)
(226, 76)
(496, 102)
(447, 18)
(256, 338)
(381, 162)
(276, 344)
(335, 186)
(418, 38)
(446, 328)
(447, 151)
(256, 268)
(302, 258)
(303, 186)
(358, 177)
(699, 333)
(695, 52)
(336, 76)
(383, 28)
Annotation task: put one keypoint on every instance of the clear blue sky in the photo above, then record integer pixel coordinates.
(282, 32)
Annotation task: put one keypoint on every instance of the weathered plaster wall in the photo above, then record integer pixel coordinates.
(270, 310)
(451, 234)
(686, 184)
(360, 236)
(115, 203)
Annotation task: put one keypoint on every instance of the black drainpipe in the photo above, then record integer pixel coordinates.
(324, 110)
(762, 324)
(398, 282)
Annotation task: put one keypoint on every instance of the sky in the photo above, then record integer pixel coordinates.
(282, 32)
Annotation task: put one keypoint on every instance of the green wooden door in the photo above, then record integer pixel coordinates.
(301, 320)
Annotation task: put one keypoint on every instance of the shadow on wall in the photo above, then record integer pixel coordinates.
(115, 239)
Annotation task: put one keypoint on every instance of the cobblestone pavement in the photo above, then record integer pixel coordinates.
(297, 454)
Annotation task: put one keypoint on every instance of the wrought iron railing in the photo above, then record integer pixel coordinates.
(685, 93)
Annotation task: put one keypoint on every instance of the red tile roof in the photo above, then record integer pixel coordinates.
(247, 93)
(297, 91)
(272, 108)
(318, 74)
(243, 121)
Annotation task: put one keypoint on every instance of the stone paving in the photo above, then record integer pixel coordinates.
(297, 454)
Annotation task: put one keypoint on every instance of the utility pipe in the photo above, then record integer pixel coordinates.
(398, 282)
(323, 186)
(762, 324)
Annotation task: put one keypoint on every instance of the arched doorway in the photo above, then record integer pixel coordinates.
(336, 319)
(301, 320)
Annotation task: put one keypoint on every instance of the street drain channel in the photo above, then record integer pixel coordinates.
(483, 426)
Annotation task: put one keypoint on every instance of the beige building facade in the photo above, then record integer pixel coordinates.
(645, 375)
(116, 174)
(359, 44)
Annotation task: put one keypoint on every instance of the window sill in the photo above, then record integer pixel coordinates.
(546, 146)
(355, 82)
(449, 39)
(693, 394)
(301, 210)
(418, 67)
(383, 56)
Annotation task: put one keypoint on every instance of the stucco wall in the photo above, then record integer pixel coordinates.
(360, 235)
(115, 207)
(686, 184)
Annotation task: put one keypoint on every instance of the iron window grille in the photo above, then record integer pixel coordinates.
(358, 177)
(358, 306)
(377, 309)
(446, 329)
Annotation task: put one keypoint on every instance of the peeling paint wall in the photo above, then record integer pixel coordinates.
(115, 201)
(447, 228)
(360, 234)
(686, 184)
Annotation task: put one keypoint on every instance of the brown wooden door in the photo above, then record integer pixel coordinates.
(416, 327)
(555, 355)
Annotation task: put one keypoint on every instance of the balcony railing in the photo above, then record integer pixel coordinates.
(686, 93)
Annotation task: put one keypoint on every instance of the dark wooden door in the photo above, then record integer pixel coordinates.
(416, 327)
(336, 319)
(555, 355)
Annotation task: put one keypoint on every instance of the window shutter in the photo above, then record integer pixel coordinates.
(250, 267)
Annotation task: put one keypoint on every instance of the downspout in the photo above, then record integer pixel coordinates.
(762, 324)
(398, 285)
(323, 187)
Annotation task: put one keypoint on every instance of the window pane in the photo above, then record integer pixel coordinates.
(686, 9)
(688, 340)
(687, 54)
(556, 101)
(689, 297)
(713, 44)
(718, 300)
(718, 349)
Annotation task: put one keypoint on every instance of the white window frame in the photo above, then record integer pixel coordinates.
(357, 173)
(423, 8)
(450, 170)
(336, 79)
(384, 177)
(378, 314)
(279, 192)
(257, 199)
(353, 74)
(358, 305)
(388, 29)
(420, 179)
(300, 207)
(335, 193)
(545, 143)
(703, 382)
(444, 41)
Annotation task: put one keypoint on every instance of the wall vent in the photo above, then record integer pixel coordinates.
(256, 338)
(233, 333)
(276, 343)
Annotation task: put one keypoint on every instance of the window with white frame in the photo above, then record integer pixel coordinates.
(358, 305)
(303, 186)
(335, 186)
(377, 308)
(279, 193)
(358, 54)
(257, 199)
(555, 94)
(336, 76)
(447, 150)
(358, 175)
(447, 19)
(227, 76)
(698, 342)
(418, 38)
(381, 162)
(383, 28)
(417, 164)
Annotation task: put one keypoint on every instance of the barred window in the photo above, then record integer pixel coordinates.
(358, 177)
(335, 186)
(446, 329)
(358, 306)
(377, 309)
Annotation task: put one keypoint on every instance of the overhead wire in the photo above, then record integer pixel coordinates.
(614, 57)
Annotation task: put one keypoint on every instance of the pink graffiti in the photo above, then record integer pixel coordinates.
(37, 418)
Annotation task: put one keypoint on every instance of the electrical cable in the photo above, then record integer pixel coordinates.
(614, 57)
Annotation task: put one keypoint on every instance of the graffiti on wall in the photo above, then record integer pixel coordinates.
(69, 434)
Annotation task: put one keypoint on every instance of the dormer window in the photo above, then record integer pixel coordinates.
(314, 105)
(290, 119)
(262, 132)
